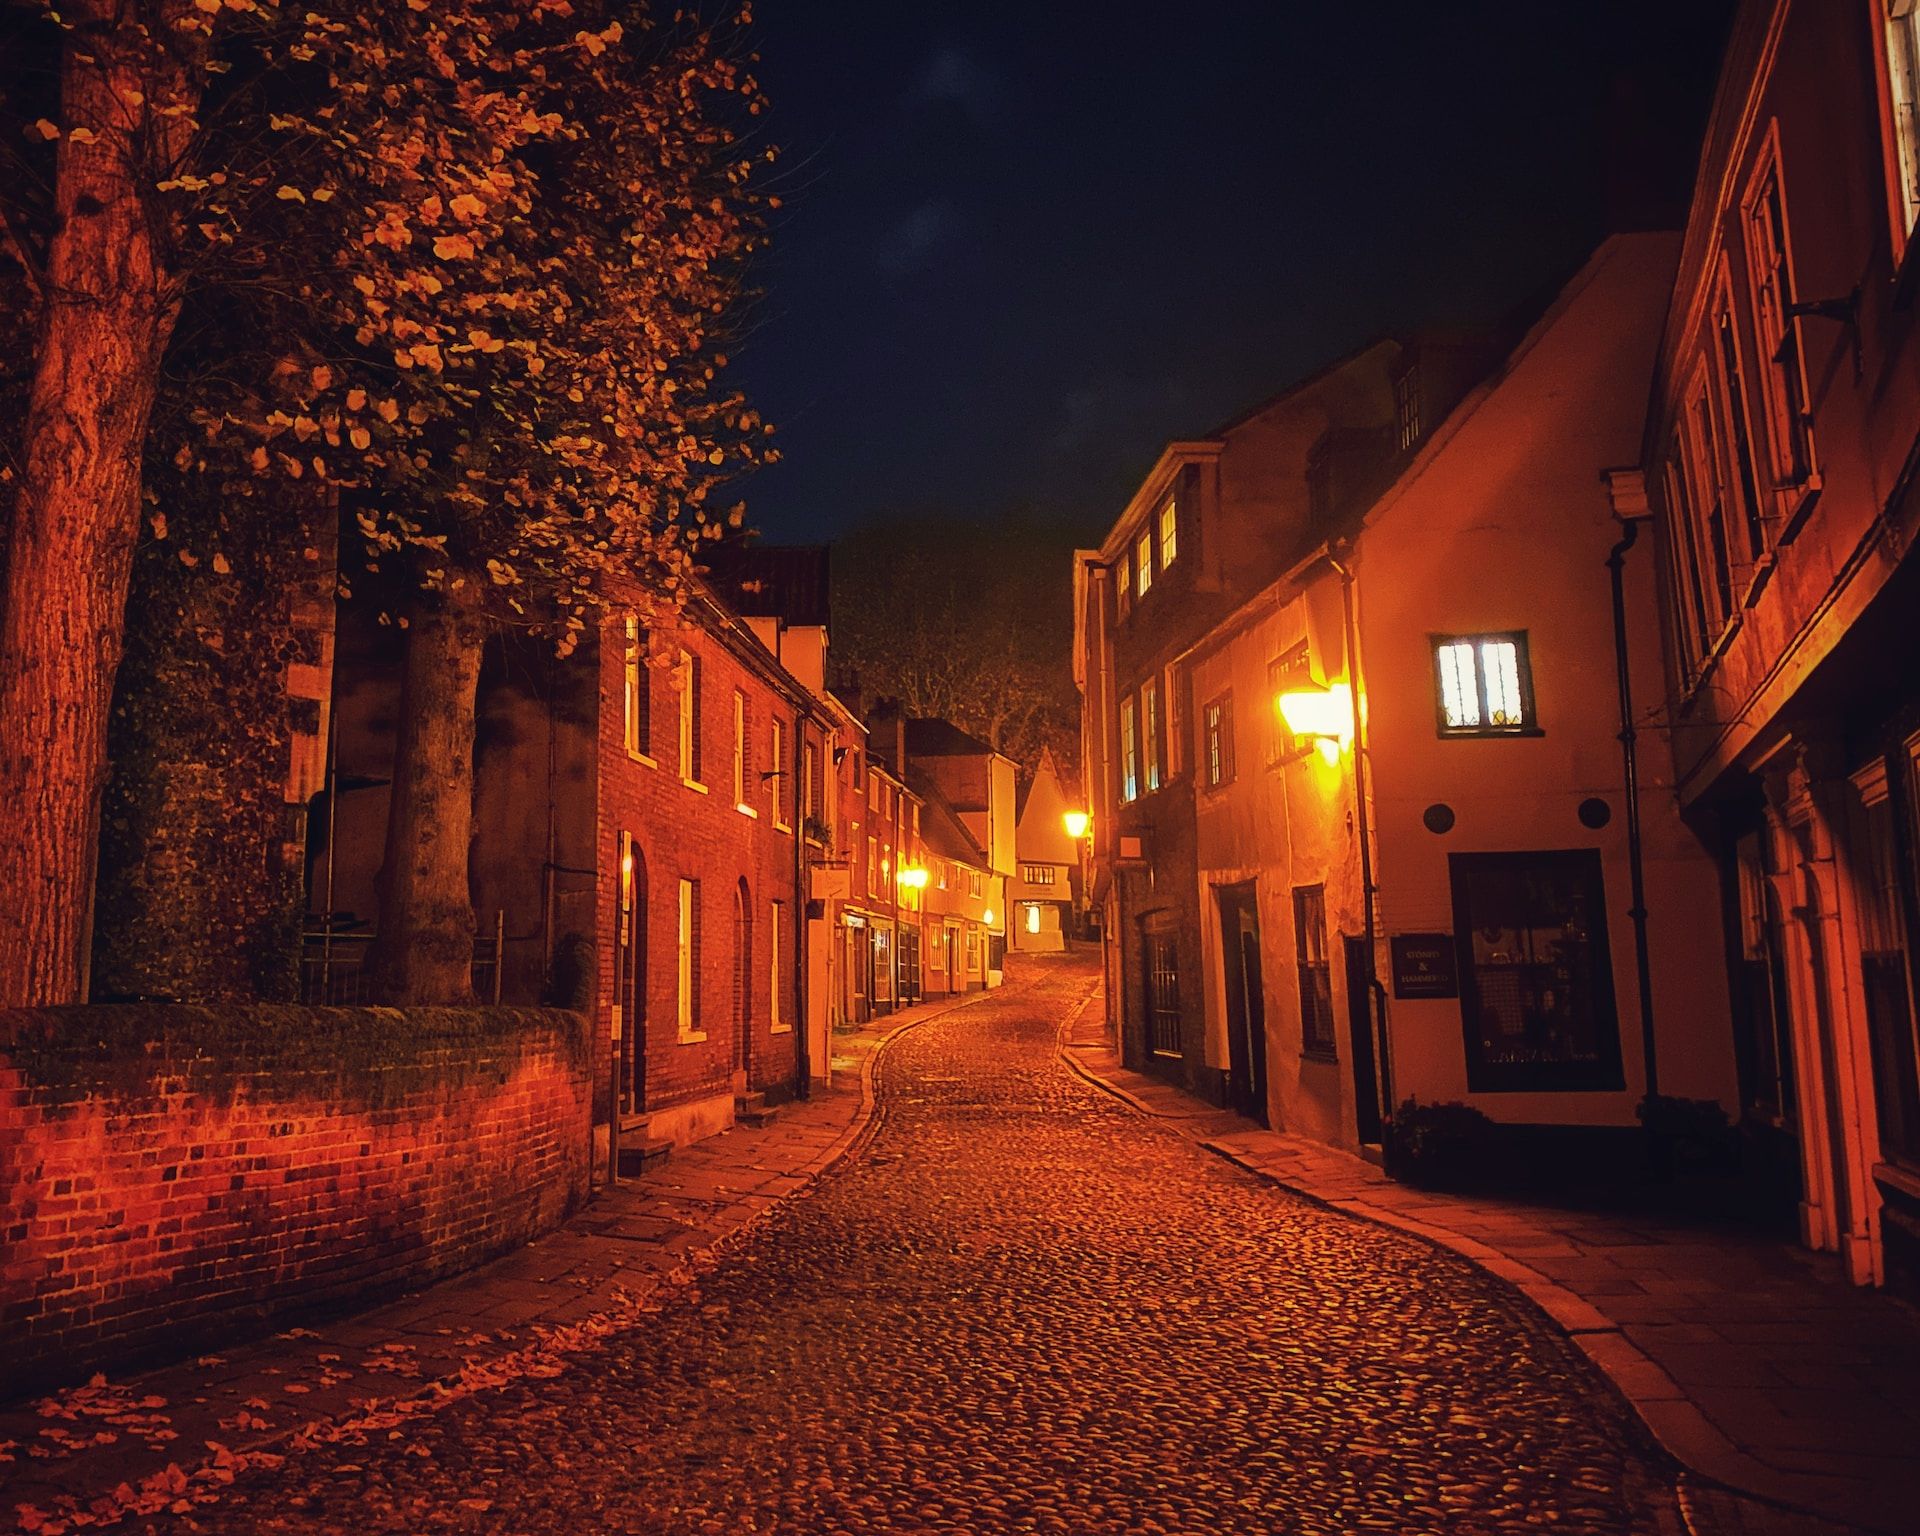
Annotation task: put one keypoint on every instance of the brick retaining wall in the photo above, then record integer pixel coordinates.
(172, 1175)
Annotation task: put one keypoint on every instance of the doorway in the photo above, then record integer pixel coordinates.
(630, 984)
(1246, 1000)
(1366, 1075)
(742, 983)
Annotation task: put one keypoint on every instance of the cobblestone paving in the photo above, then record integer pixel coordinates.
(1021, 1308)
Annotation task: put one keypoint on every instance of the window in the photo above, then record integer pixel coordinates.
(639, 692)
(940, 874)
(1903, 81)
(1285, 672)
(1037, 874)
(1169, 532)
(810, 781)
(1129, 753)
(740, 764)
(1884, 964)
(1536, 979)
(1123, 589)
(1783, 374)
(1030, 916)
(1734, 457)
(689, 956)
(1406, 406)
(774, 990)
(859, 760)
(777, 775)
(1217, 723)
(689, 681)
(1163, 993)
(1706, 481)
(1692, 622)
(1143, 562)
(1150, 732)
(1316, 975)
(1485, 684)
(976, 883)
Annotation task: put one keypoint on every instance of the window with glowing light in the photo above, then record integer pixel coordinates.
(1143, 562)
(1406, 406)
(1129, 753)
(1033, 916)
(1484, 685)
(1037, 874)
(1169, 532)
(1150, 732)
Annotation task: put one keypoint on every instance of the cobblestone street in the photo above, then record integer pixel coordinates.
(1020, 1307)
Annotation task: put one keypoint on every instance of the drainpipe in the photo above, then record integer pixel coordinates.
(1643, 967)
(1376, 994)
(802, 1061)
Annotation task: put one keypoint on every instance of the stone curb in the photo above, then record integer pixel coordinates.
(723, 1230)
(1676, 1423)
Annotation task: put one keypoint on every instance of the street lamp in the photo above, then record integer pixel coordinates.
(1323, 716)
(913, 877)
(1077, 823)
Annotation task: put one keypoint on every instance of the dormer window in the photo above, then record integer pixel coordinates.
(1406, 406)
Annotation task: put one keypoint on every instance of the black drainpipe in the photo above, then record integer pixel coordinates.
(1376, 993)
(1643, 966)
(802, 924)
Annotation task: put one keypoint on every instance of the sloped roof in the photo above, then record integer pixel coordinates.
(780, 581)
(940, 825)
(942, 738)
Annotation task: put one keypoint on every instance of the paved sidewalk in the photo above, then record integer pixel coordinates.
(1788, 1394)
(170, 1439)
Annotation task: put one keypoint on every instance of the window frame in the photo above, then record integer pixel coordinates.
(687, 986)
(1900, 151)
(1313, 964)
(1152, 730)
(778, 776)
(776, 1024)
(1523, 667)
(1129, 756)
(637, 689)
(1161, 992)
(1142, 563)
(1216, 731)
(1606, 1073)
(689, 721)
(1167, 523)
(1777, 337)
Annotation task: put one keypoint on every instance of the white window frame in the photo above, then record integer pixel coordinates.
(1129, 751)
(637, 685)
(689, 679)
(779, 775)
(1169, 524)
(688, 982)
(1143, 562)
(1446, 647)
(779, 1026)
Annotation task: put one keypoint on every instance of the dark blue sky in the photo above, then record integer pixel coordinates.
(1024, 245)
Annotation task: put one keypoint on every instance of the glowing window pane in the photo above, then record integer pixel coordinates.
(1459, 690)
(1033, 917)
(1143, 563)
(1500, 667)
(1169, 534)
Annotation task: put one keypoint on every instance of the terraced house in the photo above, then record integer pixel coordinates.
(1780, 449)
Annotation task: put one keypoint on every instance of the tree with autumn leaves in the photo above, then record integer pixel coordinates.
(479, 256)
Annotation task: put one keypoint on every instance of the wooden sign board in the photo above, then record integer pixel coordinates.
(1424, 965)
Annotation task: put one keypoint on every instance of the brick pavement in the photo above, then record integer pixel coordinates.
(167, 1439)
(1792, 1398)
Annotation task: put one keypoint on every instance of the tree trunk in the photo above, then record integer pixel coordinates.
(107, 317)
(424, 951)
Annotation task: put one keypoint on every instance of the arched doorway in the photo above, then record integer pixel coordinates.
(742, 980)
(630, 976)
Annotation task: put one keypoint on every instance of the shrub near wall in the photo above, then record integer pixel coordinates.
(168, 1174)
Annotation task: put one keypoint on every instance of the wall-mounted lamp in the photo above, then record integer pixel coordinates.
(1323, 716)
(987, 917)
(1076, 823)
(913, 877)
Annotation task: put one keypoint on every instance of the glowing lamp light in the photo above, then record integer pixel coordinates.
(1323, 716)
(1077, 823)
(987, 917)
(913, 877)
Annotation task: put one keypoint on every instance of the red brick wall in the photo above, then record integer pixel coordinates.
(172, 1175)
(680, 832)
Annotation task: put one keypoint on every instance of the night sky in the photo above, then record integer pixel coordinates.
(1023, 245)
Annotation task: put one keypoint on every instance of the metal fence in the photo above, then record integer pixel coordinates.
(333, 960)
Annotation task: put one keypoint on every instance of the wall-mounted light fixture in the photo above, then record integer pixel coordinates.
(913, 877)
(1077, 823)
(1323, 716)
